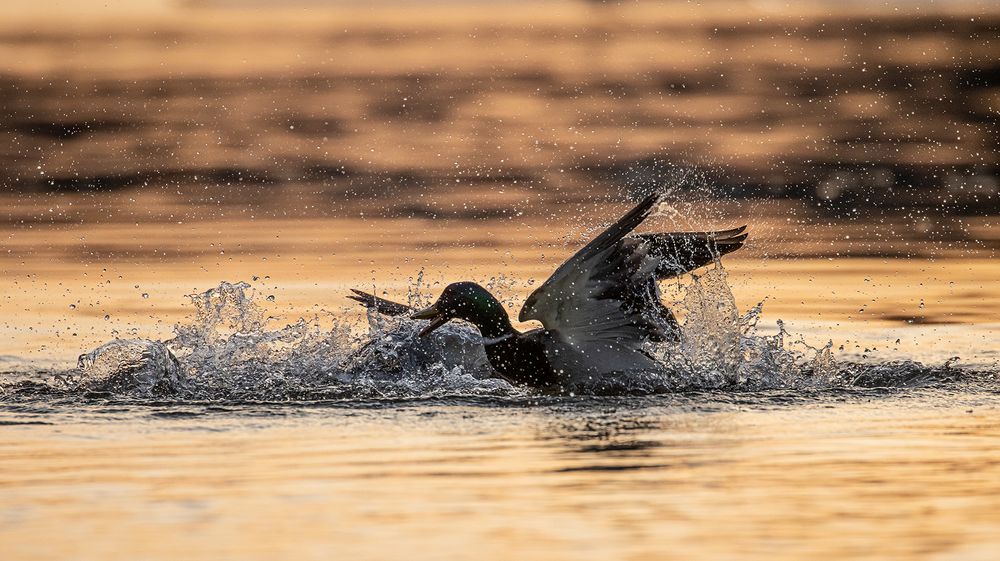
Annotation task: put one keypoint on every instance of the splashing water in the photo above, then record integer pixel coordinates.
(138, 366)
(721, 348)
(228, 351)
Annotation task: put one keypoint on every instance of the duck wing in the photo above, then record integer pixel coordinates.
(590, 328)
(603, 303)
(380, 305)
(683, 252)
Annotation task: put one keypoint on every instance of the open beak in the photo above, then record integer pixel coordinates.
(432, 313)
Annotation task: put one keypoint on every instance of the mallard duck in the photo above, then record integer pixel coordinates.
(597, 310)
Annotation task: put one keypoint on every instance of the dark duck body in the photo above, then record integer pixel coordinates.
(598, 309)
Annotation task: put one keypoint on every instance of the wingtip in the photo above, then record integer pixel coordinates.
(362, 297)
(655, 198)
(735, 242)
(647, 205)
(729, 234)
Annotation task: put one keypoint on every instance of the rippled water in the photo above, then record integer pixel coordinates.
(873, 474)
(259, 420)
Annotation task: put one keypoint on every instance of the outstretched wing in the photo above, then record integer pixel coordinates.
(589, 328)
(602, 303)
(380, 305)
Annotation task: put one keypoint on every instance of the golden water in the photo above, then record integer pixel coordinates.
(913, 476)
(860, 474)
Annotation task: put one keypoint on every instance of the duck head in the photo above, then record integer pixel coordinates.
(467, 301)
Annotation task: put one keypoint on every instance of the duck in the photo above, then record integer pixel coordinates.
(598, 310)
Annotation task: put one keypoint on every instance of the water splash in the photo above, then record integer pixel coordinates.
(229, 350)
(136, 366)
(721, 348)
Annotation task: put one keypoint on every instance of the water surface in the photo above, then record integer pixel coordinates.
(875, 474)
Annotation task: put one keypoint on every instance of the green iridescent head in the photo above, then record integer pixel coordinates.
(467, 301)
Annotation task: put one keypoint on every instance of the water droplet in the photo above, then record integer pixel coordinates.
(270, 298)
(145, 295)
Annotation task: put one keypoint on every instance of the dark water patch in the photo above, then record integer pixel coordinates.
(105, 252)
(318, 171)
(489, 176)
(913, 25)
(623, 449)
(984, 77)
(866, 382)
(105, 182)
(229, 176)
(415, 97)
(66, 130)
(839, 186)
(480, 243)
(691, 82)
(176, 414)
(324, 126)
(432, 212)
(920, 319)
(614, 467)
(590, 420)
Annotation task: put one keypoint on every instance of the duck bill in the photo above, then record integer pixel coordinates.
(432, 313)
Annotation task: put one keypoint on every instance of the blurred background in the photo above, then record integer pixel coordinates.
(151, 147)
